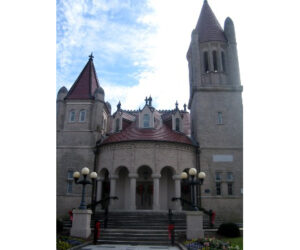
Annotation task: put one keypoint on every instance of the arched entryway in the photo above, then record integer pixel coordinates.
(167, 189)
(144, 188)
(122, 188)
(105, 186)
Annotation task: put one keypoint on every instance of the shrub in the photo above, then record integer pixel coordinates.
(229, 230)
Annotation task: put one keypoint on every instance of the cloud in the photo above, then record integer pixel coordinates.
(139, 47)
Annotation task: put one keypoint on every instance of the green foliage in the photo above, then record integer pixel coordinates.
(63, 245)
(66, 242)
(210, 244)
(229, 230)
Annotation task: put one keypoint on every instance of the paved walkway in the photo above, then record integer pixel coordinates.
(127, 247)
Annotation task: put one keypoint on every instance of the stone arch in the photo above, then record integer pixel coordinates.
(144, 188)
(167, 188)
(122, 188)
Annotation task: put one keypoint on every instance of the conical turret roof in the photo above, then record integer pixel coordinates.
(208, 27)
(86, 83)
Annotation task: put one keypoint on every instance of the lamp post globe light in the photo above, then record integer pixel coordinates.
(84, 171)
(193, 181)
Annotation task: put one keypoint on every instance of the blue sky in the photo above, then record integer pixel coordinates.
(113, 30)
(139, 46)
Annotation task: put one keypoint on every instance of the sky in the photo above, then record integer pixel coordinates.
(141, 51)
(139, 46)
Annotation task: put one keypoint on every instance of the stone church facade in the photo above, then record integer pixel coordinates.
(140, 154)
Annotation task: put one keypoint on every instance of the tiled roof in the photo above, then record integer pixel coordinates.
(208, 26)
(86, 83)
(160, 133)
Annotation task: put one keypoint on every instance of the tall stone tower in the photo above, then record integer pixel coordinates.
(82, 118)
(217, 113)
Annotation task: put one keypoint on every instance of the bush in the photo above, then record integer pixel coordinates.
(59, 226)
(229, 230)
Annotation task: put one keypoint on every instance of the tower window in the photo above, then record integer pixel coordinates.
(146, 120)
(218, 176)
(70, 181)
(229, 176)
(220, 118)
(177, 124)
(230, 190)
(117, 125)
(72, 116)
(218, 188)
(205, 59)
(223, 61)
(82, 115)
(215, 62)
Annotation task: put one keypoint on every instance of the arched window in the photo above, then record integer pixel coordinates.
(117, 125)
(82, 115)
(177, 124)
(215, 61)
(223, 61)
(104, 124)
(72, 116)
(146, 120)
(205, 62)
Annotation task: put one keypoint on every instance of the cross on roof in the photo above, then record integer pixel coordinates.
(91, 56)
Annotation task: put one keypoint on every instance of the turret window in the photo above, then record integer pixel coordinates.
(117, 125)
(223, 61)
(177, 124)
(72, 116)
(205, 59)
(215, 61)
(82, 115)
(146, 120)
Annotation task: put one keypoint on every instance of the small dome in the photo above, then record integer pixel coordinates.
(62, 93)
(63, 90)
(100, 90)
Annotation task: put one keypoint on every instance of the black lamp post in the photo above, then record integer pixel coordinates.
(193, 181)
(85, 171)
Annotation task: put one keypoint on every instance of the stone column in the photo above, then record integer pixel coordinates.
(133, 178)
(155, 178)
(99, 188)
(177, 180)
(99, 192)
(112, 178)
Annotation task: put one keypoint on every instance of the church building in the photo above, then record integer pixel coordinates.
(139, 155)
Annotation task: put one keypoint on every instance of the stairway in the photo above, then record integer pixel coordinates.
(140, 227)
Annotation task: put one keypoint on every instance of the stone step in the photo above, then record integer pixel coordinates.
(118, 242)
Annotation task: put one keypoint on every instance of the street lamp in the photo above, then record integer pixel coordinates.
(193, 181)
(85, 171)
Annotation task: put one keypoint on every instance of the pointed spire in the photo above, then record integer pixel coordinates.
(86, 83)
(150, 101)
(208, 27)
(176, 105)
(119, 105)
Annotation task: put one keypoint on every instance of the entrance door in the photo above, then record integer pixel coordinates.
(144, 195)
